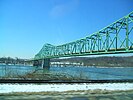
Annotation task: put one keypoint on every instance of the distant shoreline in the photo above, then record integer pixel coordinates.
(97, 66)
(73, 66)
(98, 61)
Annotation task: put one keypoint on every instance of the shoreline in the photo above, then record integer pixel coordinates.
(96, 66)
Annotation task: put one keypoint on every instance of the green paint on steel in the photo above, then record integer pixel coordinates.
(115, 38)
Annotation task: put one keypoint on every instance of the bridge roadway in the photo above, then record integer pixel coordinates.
(115, 38)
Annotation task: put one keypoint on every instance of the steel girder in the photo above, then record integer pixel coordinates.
(115, 38)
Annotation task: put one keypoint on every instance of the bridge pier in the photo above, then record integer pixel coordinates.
(45, 64)
(36, 63)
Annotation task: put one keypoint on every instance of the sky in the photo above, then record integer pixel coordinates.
(26, 25)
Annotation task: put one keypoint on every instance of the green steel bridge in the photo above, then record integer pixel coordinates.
(115, 38)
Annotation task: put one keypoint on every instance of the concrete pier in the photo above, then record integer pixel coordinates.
(45, 64)
(36, 63)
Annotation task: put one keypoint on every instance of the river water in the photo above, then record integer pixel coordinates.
(90, 73)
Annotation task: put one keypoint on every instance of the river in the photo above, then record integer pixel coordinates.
(90, 73)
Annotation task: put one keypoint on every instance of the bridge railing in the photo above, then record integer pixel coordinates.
(115, 38)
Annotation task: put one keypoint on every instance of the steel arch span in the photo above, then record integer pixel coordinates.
(115, 38)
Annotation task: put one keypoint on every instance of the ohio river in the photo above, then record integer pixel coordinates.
(91, 73)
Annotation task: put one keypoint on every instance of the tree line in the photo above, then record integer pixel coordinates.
(107, 61)
(10, 60)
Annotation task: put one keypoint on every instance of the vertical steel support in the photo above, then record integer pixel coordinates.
(91, 45)
(127, 35)
(107, 41)
(116, 38)
(94, 42)
(42, 63)
(98, 42)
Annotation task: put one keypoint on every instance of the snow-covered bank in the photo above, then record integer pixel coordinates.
(8, 88)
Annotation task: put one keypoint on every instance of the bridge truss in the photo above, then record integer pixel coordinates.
(115, 38)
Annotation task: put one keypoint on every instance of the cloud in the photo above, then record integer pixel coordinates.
(64, 8)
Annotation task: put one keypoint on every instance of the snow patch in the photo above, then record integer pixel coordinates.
(8, 88)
